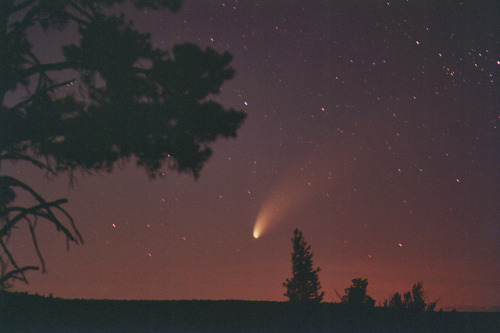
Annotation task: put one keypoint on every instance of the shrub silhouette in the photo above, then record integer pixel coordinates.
(414, 300)
(355, 295)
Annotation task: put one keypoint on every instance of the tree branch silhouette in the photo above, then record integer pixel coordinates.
(135, 101)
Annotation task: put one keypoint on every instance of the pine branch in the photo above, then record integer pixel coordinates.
(35, 243)
(41, 91)
(11, 259)
(22, 5)
(13, 275)
(19, 156)
(43, 68)
(36, 211)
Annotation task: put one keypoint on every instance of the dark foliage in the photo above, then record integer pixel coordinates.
(112, 97)
(414, 300)
(304, 285)
(355, 296)
(135, 100)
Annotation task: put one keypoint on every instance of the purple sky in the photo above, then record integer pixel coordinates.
(373, 127)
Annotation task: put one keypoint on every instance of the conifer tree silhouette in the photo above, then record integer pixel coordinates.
(304, 285)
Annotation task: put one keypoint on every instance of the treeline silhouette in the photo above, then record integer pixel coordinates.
(21, 312)
(304, 285)
(303, 312)
(410, 310)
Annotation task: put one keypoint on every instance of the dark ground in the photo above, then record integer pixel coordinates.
(21, 312)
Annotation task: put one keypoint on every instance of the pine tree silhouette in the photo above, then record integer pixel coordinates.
(304, 285)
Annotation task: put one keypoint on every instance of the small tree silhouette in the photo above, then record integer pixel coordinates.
(356, 295)
(304, 286)
(413, 300)
(396, 302)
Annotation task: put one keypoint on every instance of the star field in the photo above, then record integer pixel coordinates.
(380, 116)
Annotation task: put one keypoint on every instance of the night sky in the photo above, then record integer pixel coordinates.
(372, 126)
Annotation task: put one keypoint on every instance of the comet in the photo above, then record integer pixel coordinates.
(274, 210)
(295, 187)
(255, 233)
(289, 193)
